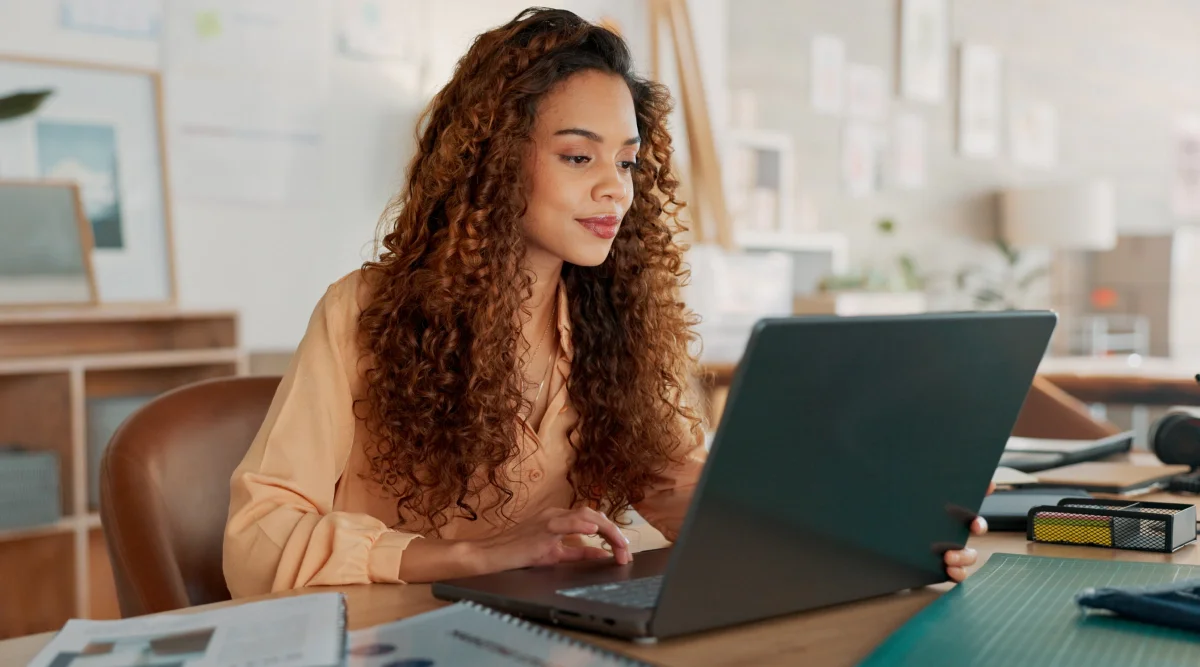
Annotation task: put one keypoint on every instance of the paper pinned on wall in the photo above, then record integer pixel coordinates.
(860, 158)
(247, 83)
(828, 74)
(866, 92)
(122, 18)
(979, 101)
(924, 43)
(1186, 189)
(383, 29)
(1035, 135)
(909, 151)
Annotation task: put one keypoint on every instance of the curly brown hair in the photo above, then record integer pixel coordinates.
(440, 334)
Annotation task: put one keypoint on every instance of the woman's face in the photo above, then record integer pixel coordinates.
(585, 143)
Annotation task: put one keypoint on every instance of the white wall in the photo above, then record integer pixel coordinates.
(272, 262)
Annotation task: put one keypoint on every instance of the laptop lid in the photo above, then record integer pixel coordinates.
(851, 455)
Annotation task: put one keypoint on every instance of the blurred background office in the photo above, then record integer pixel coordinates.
(181, 179)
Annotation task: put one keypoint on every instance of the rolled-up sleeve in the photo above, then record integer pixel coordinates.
(667, 500)
(282, 531)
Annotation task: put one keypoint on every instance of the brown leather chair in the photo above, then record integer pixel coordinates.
(1050, 412)
(164, 491)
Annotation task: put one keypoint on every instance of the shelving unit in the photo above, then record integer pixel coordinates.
(53, 366)
(832, 243)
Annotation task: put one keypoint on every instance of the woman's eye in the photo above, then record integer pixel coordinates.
(628, 165)
(576, 159)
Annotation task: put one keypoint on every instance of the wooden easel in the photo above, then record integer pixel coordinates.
(704, 192)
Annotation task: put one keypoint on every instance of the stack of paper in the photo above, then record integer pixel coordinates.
(300, 631)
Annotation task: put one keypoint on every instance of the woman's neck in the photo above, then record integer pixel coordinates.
(541, 302)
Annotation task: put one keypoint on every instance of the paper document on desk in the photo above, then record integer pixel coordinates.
(300, 631)
(469, 634)
(1020, 444)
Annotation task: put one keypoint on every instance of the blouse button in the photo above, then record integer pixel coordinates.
(535, 475)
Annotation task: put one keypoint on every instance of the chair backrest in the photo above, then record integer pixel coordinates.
(164, 491)
(1049, 412)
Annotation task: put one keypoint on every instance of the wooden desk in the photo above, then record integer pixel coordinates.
(841, 635)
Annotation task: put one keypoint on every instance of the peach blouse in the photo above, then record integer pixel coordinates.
(302, 510)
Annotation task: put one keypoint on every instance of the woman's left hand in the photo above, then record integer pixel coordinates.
(958, 561)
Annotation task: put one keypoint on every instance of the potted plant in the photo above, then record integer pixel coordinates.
(1003, 290)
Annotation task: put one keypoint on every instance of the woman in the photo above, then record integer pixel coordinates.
(510, 375)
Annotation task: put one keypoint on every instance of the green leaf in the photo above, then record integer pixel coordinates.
(1011, 254)
(912, 277)
(20, 104)
(886, 226)
(988, 295)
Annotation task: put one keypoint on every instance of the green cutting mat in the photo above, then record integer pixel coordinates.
(1021, 611)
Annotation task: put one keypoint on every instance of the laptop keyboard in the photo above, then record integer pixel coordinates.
(639, 593)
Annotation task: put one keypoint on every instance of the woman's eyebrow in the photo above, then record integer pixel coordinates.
(588, 134)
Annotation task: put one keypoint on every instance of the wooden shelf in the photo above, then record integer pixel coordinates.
(37, 576)
(835, 244)
(90, 331)
(134, 360)
(56, 370)
(64, 525)
(68, 524)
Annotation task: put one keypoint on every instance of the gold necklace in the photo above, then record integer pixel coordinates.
(545, 376)
(542, 339)
(549, 362)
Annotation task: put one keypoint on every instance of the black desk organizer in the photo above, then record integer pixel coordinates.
(1117, 524)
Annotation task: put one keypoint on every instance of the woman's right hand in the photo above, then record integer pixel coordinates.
(550, 537)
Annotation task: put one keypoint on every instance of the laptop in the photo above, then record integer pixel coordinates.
(851, 454)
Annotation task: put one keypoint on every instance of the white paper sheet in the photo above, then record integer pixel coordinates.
(866, 92)
(300, 631)
(909, 151)
(121, 18)
(828, 74)
(383, 29)
(467, 634)
(1186, 188)
(860, 158)
(979, 101)
(924, 47)
(246, 93)
(1035, 135)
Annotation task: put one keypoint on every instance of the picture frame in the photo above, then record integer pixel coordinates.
(46, 259)
(762, 180)
(101, 127)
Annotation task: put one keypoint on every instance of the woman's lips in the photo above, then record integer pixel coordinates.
(603, 226)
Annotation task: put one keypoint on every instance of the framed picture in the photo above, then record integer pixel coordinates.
(924, 47)
(101, 128)
(762, 180)
(46, 257)
(979, 101)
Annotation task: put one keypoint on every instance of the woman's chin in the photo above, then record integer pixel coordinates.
(589, 256)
